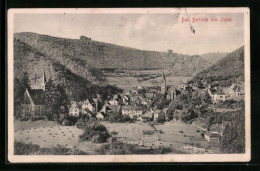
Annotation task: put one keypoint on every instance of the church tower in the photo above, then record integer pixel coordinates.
(43, 82)
(163, 84)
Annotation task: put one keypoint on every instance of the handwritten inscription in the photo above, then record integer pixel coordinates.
(205, 19)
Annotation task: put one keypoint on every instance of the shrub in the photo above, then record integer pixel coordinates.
(162, 150)
(33, 149)
(24, 119)
(72, 119)
(38, 118)
(116, 148)
(114, 133)
(95, 132)
(161, 132)
(148, 132)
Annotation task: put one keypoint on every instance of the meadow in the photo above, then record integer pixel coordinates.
(48, 134)
(129, 79)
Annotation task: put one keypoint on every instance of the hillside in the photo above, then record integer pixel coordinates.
(228, 70)
(84, 56)
(213, 57)
(27, 59)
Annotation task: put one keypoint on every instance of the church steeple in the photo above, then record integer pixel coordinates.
(163, 84)
(43, 82)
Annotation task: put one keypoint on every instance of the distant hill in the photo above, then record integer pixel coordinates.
(84, 57)
(226, 71)
(213, 57)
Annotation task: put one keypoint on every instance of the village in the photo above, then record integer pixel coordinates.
(142, 104)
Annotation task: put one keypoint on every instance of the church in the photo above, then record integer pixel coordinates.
(34, 98)
(171, 93)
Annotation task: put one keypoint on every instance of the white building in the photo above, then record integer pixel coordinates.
(132, 111)
(234, 90)
(87, 105)
(74, 109)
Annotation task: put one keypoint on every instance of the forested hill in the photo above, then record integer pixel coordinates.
(228, 70)
(79, 55)
(213, 57)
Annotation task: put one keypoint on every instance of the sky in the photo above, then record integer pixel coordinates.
(156, 32)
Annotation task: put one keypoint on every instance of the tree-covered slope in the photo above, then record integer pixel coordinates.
(228, 70)
(79, 55)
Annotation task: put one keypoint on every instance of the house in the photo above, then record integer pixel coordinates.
(182, 86)
(34, 98)
(74, 110)
(88, 105)
(145, 101)
(100, 115)
(140, 87)
(177, 115)
(234, 90)
(132, 111)
(165, 111)
(153, 90)
(113, 102)
(216, 128)
(212, 137)
(110, 109)
(116, 97)
(148, 115)
(149, 95)
(158, 115)
(219, 95)
(138, 97)
(126, 99)
(216, 132)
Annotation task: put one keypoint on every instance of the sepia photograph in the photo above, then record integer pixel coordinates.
(129, 85)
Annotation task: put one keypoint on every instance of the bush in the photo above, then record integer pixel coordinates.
(71, 119)
(24, 119)
(148, 132)
(33, 149)
(116, 148)
(118, 118)
(38, 118)
(161, 132)
(162, 150)
(95, 132)
(114, 133)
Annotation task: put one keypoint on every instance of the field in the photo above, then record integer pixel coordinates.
(130, 79)
(181, 133)
(173, 135)
(49, 134)
(176, 136)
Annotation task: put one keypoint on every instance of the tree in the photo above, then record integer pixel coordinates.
(55, 98)
(18, 96)
(233, 139)
(25, 82)
(95, 132)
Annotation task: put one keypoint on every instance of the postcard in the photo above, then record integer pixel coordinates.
(129, 85)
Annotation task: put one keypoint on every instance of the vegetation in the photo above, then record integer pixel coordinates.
(226, 71)
(55, 98)
(80, 56)
(95, 132)
(119, 118)
(33, 149)
(233, 139)
(116, 148)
